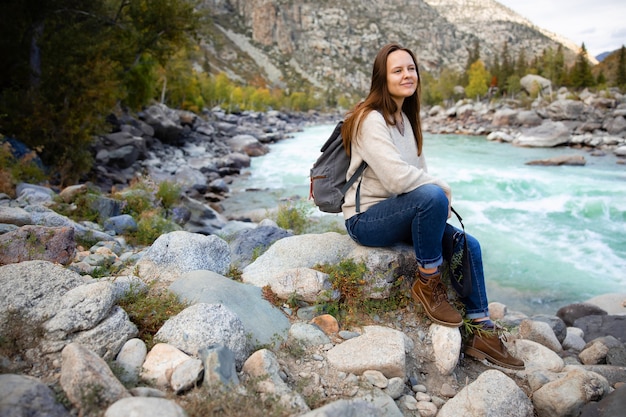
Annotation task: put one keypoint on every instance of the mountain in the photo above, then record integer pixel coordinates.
(328, 45)
(608, 66)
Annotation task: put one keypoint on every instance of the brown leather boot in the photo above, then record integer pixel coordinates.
(434, 297)
(487, 345)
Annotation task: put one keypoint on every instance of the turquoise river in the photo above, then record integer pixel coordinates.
(550, 235)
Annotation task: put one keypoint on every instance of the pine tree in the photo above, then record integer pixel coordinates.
(473, 55)
(581, 75)
(620, 76)
(506, 65)
(558, 67)
(522, 66)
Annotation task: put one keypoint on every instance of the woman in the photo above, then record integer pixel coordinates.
(400, 202)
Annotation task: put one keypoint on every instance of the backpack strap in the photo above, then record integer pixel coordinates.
(463, 288)
(351, 181)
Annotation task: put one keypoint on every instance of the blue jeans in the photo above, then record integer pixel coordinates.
(419, 218)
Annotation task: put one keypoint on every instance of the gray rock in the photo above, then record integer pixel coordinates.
(34, 288)
(265, 324)
(504, 117)
(130, 359)
(492, 394)
(189, 332)
(307, 335)
(87, 380)
(570, 313)
(164, 121)
(566, 396)
(383, 265)
(533, 84)
(247, 144)
(203, 219)
(248, 244)
(82, 308)
(598, 326)
(105, 339)
(26, 396)
(565, 109)
(548, 134)
(357, 407)
(540, 332)
(106, 207)
(14, 215)
(29, 243)
(611, 405)
(574, 160)
(186, 375)
(556, 323)
(395, 388)
(121, 224)
(43, 216)
(264, 368)
(613, 303)
(378, 348)
(145, 406)
(33, 194)
(219, 366)
(615, 126)
(176, 253)
(529, 118)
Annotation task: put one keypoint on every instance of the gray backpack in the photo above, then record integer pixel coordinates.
(328, 175)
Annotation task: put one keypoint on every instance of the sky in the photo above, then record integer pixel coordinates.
(600, 24)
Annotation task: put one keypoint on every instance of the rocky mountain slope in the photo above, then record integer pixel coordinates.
(329, 46)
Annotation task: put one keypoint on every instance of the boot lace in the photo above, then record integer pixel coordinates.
(440, 295)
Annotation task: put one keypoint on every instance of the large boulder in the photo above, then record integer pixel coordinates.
(547, 135)
(176, 253)
(533, 84)
(277, 265)
(28, 243)
(265, 323)
(492, 394)
(203, 325)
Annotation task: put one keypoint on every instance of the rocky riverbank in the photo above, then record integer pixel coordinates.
(64, 332)
(232, 339)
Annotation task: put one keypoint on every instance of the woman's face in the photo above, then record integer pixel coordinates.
(401, 75)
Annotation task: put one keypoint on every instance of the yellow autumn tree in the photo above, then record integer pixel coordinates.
(478, 77)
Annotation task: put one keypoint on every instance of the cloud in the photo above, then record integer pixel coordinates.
(599, 24)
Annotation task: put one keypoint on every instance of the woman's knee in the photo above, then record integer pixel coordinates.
(432, 196)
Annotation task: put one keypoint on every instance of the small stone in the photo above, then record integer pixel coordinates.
(376, 378)
(327, 323)
(447, 391)
(422, 396)
(408, 402)
(419, 388)
(346, 335)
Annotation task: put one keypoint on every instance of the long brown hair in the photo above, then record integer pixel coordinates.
(379, 99)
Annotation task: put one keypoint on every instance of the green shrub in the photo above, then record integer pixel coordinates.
(13, 170)
(82, 208)
(149, 310)
(354, 305)
(169, 194)
(150, 226)
(293, 216)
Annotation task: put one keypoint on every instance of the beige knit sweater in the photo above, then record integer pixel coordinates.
(393, 165)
